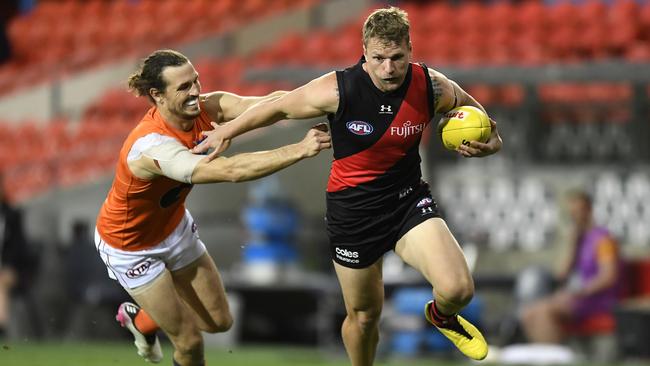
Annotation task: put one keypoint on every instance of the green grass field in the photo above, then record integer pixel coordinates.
(122, 354)
(119, 354)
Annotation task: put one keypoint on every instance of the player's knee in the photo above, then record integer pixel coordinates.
(221, 324)
(459, 292)
(366, 320)
(190, 346)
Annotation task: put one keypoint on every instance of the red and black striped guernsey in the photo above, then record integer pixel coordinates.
(375, 137)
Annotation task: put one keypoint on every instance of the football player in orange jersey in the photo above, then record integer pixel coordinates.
(145, 236)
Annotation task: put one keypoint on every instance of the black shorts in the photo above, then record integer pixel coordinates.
(358, 241)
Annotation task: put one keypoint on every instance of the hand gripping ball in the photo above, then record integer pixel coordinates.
(463, 124)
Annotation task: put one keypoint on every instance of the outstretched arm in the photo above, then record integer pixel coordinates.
(173, 160)
(316, 98)
(223, 106)
(447, 95)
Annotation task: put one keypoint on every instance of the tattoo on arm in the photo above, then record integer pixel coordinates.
(437, 91)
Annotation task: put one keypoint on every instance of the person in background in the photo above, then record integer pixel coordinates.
(589, 278)
(8, 9)
(14, 254)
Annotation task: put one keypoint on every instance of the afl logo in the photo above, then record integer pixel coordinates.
(425, 202)
(138, 270)
(360, 128)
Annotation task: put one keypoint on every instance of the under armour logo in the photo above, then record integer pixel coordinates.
(385, 109)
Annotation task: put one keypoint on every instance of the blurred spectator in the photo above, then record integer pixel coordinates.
(96, 295)
(7, 10)
(86, 278)
(589, 279)
(15, 258)
(5, 49)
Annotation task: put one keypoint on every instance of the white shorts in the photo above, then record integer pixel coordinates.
(136, 268)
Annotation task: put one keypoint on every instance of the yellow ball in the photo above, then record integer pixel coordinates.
(463, 124)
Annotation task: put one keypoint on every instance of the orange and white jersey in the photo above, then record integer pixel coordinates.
(138, 214)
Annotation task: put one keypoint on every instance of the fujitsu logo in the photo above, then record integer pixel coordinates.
(407, 129)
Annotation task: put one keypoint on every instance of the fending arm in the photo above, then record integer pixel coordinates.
(316, 98)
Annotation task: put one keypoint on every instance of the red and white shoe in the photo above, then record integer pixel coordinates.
(148, 345)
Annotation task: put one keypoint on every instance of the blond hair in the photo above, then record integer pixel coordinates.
(389, 25)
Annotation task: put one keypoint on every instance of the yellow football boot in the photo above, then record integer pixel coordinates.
(462, 333)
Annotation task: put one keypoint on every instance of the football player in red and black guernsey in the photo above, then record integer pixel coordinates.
(376, 199)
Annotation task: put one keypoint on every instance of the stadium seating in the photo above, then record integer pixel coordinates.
(500, 33)
(523, 213)
(598, 324)
(36, 157)
(58, 37)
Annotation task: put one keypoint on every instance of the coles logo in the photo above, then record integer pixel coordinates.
(347, 255)
(138, 270)
(425, 202)
(360, 128)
